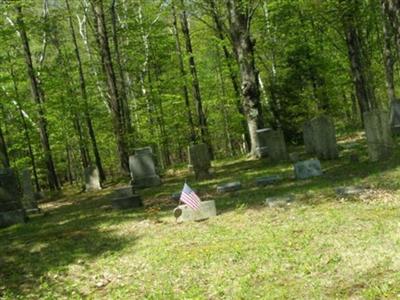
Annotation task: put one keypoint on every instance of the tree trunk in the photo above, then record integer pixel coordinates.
(202, 120)
(82, 86)
(244, 47)
(358, 60)
(185, 91)
(387, 51)
(4, 159)
(114, 100)
(232, 72)
(38, 97)
(125, 111)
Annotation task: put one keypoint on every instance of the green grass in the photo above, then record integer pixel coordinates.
(319, 247)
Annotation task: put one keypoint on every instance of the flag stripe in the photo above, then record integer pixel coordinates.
(189, 197)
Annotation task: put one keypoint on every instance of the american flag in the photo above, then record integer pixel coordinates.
(189, 197)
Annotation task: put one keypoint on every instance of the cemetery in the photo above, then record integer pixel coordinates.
(251, 206)
(199, 149)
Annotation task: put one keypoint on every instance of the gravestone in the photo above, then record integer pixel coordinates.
(92, 179)
(281, 201)
(125, 198)
(395, 116)
(324, 138)
(307, 168)
(29, 201)
(275, 145)
(320, 138)
(379, 135)
(143, 169)
(266, 180)
(199, 159)
(308, 138)
(350, 191)
(229, 187)
(184, 213)
(262, 136)
(11, 210)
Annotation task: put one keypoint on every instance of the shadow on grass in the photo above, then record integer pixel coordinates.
(76, 233)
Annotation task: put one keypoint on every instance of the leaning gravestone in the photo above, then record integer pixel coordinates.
(125, 198)
(92, 179)
(29, 201)
(199, 159)
(184, 213)
(395, 116)
(320, 138)
(307, 168)
(379, 135)
(143, 169)
(11, 210)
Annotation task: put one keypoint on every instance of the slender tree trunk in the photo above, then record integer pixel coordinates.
(26, 130)
(4, 159)
(82, 86)
(185, 91)
(387, 51)
(244, 47)
(38, 97)
(125, 111)
(232, 72)
(358, 59)
(114, 100)
(202, 120)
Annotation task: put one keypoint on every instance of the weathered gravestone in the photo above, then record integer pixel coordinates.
(320, 138)
(379, 135)
(199, 159)
(92, 179)
(272, 144)
(281, 201)
(350, 191)
(143, 169)
(11, 210)
(229, 187)
(184, 213)
(266, 180)
(29, 201)
(307, 168)
(395, 116)
(125, 198)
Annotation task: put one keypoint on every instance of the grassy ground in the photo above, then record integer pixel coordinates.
(319, 247)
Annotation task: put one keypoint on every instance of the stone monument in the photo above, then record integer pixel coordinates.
(307, 168)
(143, 169)
(272, 144)
(11, 210)
(229, 187)
(92, 179)
(199, 159)
(320, 138)
(29, 200)
(184, 213)
(379, 135)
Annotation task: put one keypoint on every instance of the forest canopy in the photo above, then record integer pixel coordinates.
(86, 81)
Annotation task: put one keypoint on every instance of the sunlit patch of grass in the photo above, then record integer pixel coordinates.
(318, 247)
